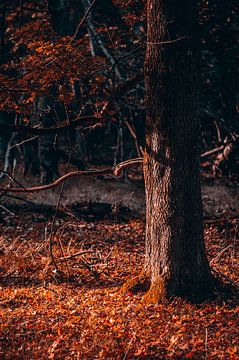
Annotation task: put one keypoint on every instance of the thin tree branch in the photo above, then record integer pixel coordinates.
(11, 178)
(116, 171)
(99, 41)
(21, 199)
(83, 20)
(23, 142)
(220, 253)
(213, 151)
(167, 42)
(121, 90)
(80, 253)
(45, 131)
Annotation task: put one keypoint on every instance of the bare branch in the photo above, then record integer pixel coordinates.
(45, 131)
(98, 39)
(121, 90)
(168, 42)
(83, 19)
(23, 142)
(115, 172)
(213, 151)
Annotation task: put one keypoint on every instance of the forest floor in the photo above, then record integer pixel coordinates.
(79, 311)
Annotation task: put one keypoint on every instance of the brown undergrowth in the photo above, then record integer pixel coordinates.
(79, 313)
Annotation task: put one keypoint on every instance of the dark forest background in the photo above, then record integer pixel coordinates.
(63, 60)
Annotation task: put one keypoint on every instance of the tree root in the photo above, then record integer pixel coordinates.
(139, 283)
(156, 292)
(160, 290)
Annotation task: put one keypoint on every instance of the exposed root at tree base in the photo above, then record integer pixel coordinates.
(139, 283)
(156, 292)
(160, 291)
(195, 292)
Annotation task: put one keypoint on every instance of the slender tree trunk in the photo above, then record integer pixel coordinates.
(175, 253)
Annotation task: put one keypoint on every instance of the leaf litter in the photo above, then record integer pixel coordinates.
(80, 312)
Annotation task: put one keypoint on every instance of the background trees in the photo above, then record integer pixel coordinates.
(48, 45)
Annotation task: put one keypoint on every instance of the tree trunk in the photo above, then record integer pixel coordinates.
(175, 253)
(65, 15)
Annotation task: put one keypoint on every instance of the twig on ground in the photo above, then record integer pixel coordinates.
(79, 253)
(206, 342)
(226, 278)
(7, 210)
(220, 253)
(128, 348)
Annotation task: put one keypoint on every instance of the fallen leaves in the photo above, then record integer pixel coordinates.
(87, 317)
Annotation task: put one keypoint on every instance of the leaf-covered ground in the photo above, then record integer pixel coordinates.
(80, 313)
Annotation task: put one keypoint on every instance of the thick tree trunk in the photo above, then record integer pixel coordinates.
(175, 253)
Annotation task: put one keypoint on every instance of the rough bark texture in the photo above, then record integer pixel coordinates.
(175, 253)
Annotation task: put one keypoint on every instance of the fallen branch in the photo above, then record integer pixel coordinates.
(21, 199)
(79, 253)
(221, 219)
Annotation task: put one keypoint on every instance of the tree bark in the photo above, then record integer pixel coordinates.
(176, 261)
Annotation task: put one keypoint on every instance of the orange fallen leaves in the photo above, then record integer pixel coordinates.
(88, 318)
